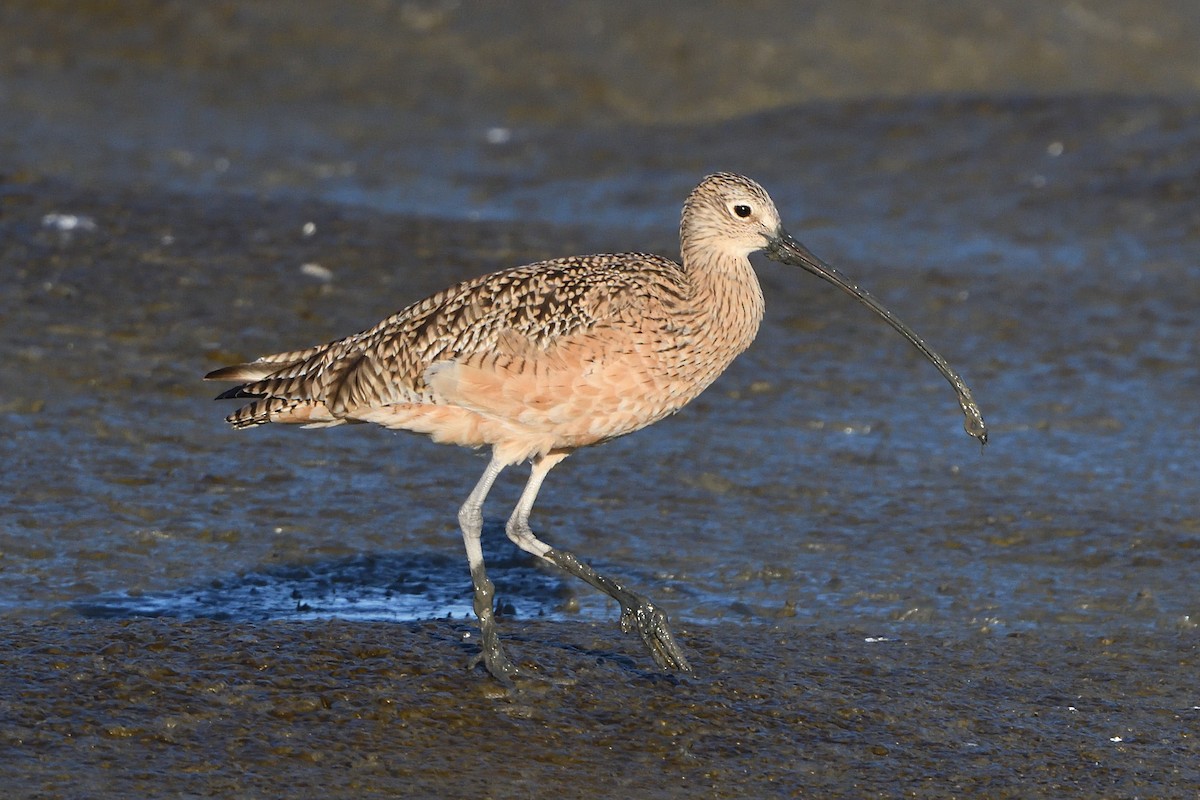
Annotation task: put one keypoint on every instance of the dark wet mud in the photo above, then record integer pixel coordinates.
(875, 607)
(277, 709)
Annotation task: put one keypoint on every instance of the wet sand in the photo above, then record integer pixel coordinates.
(1019, 656)
(874, 606)
(157, 708)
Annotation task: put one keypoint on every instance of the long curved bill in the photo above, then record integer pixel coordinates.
(787, 250)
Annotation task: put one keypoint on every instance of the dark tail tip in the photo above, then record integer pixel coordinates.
(236, 393)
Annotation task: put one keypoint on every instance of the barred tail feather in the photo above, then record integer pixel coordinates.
(280, 410)
(245, 373)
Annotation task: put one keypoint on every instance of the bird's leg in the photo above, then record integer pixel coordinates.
(637, 613)
(470, 519)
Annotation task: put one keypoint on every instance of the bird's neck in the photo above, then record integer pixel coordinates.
(727, 294)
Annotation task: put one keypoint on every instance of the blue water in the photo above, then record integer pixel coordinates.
(1047, 247)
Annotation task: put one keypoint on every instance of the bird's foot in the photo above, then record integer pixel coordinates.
(637, 613)
(491, 654)
(651, 623)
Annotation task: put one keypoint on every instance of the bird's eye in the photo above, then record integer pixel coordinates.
(742, 211)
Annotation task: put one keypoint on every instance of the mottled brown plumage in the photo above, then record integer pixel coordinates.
(550, 356)
(537, 361)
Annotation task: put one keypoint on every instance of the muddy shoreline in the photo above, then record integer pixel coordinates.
(157, 708)
(875, 606)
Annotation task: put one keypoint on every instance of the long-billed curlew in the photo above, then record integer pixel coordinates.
(540, 360)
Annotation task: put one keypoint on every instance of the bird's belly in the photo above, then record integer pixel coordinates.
(530, 413)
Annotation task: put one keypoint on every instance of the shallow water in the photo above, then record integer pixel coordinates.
(829, 434)
(156, 220)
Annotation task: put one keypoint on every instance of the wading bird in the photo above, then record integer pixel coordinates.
(537, 361)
